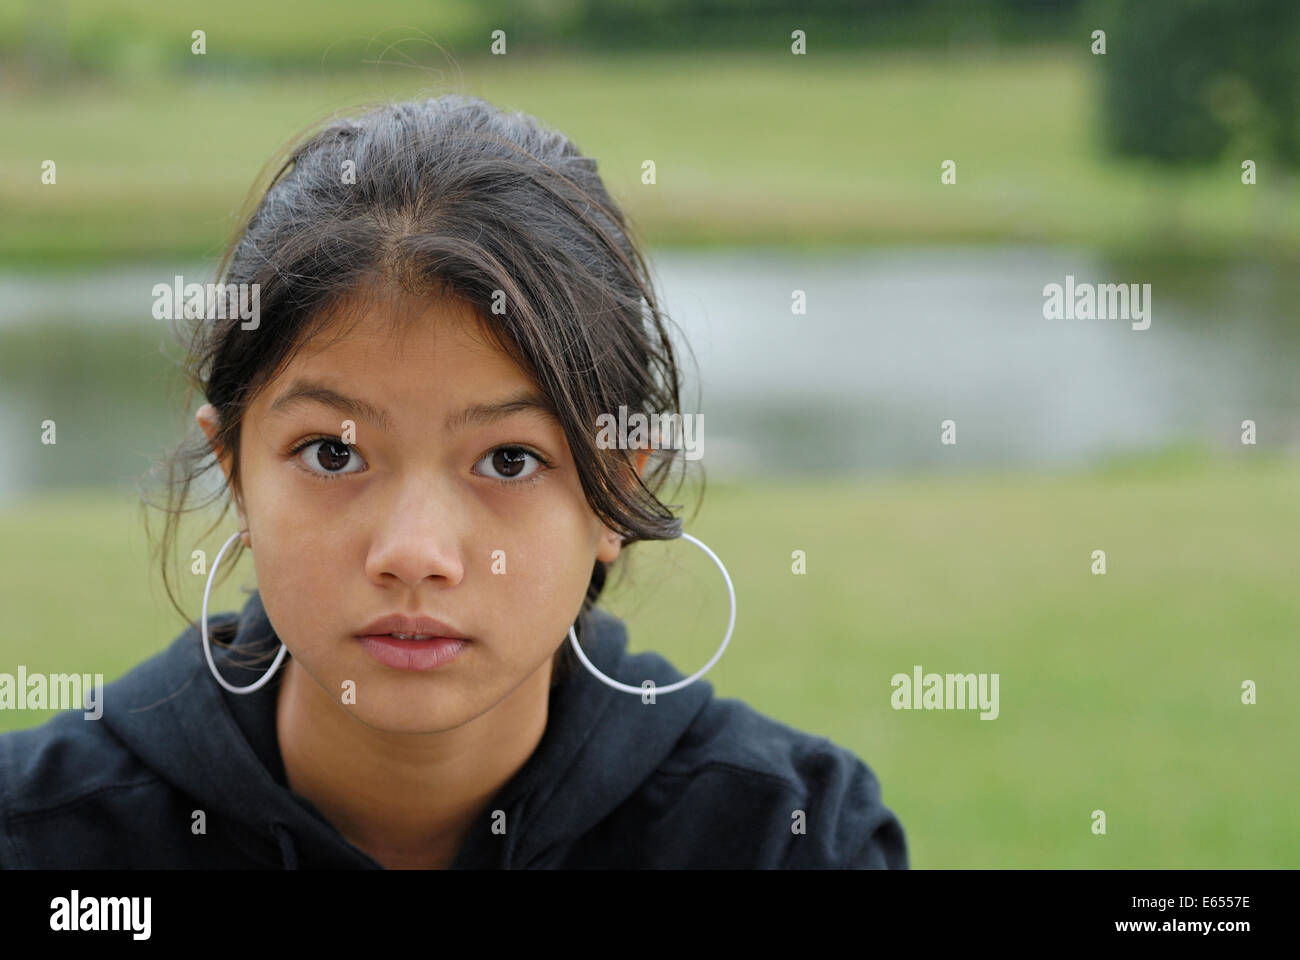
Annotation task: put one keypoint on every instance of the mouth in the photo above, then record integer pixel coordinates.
(413, 651)
(412, 642)
(404, 627)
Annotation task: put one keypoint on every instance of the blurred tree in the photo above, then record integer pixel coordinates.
(1183, 82)
(1182, 79)
(678, 24)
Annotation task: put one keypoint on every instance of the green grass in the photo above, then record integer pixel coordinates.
(749, 148)
(125, 36)
(1118, 692)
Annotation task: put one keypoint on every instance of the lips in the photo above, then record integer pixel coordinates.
(403, 627)
(413, 654)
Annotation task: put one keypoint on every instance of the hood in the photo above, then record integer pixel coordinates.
(220, 748)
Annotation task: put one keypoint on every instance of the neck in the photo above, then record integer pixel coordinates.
(407, 799)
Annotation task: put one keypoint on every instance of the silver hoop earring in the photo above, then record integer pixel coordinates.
(628, 688)
(207, 644)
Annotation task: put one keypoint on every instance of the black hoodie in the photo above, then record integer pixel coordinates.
(692, 780)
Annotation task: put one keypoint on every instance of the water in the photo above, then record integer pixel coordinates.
(896, 342)
(893, 343)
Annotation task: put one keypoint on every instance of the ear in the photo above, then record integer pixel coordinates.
(611, 543)
(208, 422)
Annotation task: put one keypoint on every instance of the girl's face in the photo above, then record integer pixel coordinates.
(455, 497)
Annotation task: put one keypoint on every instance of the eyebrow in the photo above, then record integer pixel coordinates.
(312, 391)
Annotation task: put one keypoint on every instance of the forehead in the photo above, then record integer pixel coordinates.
(434, 350)
(386, 320)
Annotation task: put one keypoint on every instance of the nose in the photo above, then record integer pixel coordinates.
(417, 536)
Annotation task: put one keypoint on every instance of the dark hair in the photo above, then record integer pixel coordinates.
(451, 195)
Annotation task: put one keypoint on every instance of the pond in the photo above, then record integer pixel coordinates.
(891, 343)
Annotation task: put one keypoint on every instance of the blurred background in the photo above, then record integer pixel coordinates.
(777, 173)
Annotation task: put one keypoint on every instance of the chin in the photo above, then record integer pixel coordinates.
(398, 719)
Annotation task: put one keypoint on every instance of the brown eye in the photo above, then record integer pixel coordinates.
(510, 463)
(332, 455)
(329, 457)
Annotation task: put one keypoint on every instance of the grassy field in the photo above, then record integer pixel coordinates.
(751, 148)
(1118, 692)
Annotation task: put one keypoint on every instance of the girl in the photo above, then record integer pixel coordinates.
(447, 300)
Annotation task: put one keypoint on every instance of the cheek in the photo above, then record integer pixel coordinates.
(293, 546)
(297, 591)
(294, 556)
(299, 519)
(548, 560)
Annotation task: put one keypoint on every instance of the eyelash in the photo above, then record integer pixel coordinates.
(507, 484)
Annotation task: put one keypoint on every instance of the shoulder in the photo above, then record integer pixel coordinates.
(822, 803)
(74, 790)
(742, 789)
(68, 768)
